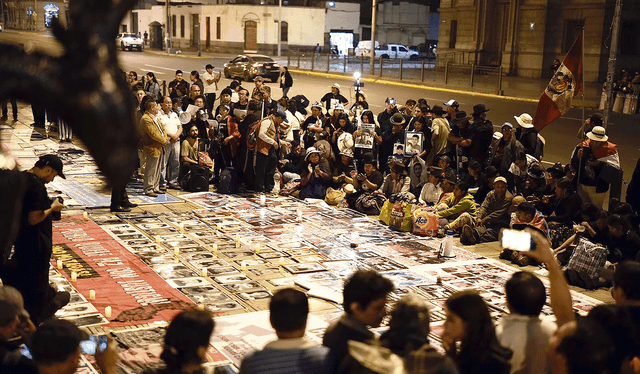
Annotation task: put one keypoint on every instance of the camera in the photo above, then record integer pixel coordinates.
(57, 216)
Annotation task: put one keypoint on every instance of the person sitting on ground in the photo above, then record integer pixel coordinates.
(448, 184)
(315, 178)
(565, 211)
(293, 352)
(292, 165)
(345, 170)
(365, 297)
(15, 329)
(55, 349)
(478, 181)
(468, 322)
(368, 181)
(396, 183)
(518, 171)
(189, 157)
(408, 337)
(595, 223)
(444, 163)
(185, 343)
(534, 184)
(623, 243)
(493, 215)
(452, 208)
(523, 331)
(432, 190)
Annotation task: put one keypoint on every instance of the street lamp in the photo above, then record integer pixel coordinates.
(357, 84)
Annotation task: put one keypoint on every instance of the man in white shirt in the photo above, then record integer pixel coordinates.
(210, 82)
(170, 160)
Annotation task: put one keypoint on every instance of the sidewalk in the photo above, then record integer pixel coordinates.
(514, 88)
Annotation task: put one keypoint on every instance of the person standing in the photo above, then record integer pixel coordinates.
(29, 265)
(333, 98)
(178, 84)
(170, 162)
(153, 139)
(285, 81)
(440, 135)
(210, 85)
(14, 109)
(152, 88)
(267, 146)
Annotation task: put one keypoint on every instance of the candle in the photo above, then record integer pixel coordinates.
(157, 240)
(219, 226)
(214, 247)
(263, 200)
(201, 306)
(257, 249)
(299, 215)
(85, 215)
(243, 267)
(59, 264)
(176, 251)
(182, 227)
(74, 276)
(281, 261)
(92, 294)
(107, 312)
(204, 272)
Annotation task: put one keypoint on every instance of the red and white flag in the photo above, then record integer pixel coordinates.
(565, 84)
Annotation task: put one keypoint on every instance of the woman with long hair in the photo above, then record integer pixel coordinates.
(468, 322)
(152, 88)
(186, 343)
(286, 81)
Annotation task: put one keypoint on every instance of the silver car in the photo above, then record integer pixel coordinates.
(250, 66)
(130, 41)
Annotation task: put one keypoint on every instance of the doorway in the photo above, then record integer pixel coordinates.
(251, 36)
(155, 35)
(195, 30)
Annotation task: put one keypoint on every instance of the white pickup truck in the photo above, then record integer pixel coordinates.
(395, 51)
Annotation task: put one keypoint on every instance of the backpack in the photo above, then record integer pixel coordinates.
(228, 181)
(301, 103)
(196, 180)
(252, 135)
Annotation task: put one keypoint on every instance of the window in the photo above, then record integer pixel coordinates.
(453, 34)
(572, 28)
(173, 25)
(218, 28)
(402, 49)
(182, 26)
(284, 32)
(629, 38)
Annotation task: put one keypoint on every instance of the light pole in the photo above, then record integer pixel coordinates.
(169, 27)
(615, 27)
(372, 56)
(279, 28)
(198, 34)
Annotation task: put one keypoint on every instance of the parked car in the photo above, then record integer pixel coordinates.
(364, 48)
(425, 51)
(128, 40)
(250, 66)
(395, 51)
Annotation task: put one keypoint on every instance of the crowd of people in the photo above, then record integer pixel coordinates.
(606, 341)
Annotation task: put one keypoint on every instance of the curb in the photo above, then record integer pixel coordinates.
(587, 104)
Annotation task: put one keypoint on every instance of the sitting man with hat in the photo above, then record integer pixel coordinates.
(396, 182)
(493, 215)
(439, 134)
(598, 168)
(527, 135)
(316, 176)
(504, 150)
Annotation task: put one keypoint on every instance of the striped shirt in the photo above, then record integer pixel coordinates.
(287, 356)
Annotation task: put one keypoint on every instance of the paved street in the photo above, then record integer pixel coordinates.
(560, 135)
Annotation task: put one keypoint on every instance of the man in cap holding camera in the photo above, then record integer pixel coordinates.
(28, 268)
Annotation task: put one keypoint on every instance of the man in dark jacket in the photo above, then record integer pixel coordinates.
(504, 151)
(481, 130)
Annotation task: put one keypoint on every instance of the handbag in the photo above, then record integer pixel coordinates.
(204, 159)
(588, 259)
(385, 212)
(425, 222)
(401, 218)
(334, 197)
(369, 204)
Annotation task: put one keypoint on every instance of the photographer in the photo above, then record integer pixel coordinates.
(28, 268)
(224, 141)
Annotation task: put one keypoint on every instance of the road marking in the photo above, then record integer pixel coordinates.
(160, 67)
(155, 72)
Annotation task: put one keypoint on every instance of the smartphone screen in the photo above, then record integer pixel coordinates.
(516, 240)
(24, 350)
(94, 343)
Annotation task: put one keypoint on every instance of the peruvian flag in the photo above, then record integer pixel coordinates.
(565, 84)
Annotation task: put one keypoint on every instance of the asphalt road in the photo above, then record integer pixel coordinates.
(560, 136)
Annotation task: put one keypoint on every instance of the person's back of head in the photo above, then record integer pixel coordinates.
(187, 339)
(55, 346)
(626, 283)
(289, 309)
(363, 288)
(11, 311)
(565, 184)
(254, 106)
(408, 326)
(525, 294)
(527, 210)
(588, 349)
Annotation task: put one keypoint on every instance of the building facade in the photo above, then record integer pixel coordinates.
(231, 28)
(525, 36)
(33, 15)
(403, 22)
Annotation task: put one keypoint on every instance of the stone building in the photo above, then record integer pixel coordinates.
(524, 36)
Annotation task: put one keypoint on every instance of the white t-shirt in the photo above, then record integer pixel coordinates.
(209, 88)
(169, 122)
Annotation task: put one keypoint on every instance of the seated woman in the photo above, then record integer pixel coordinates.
(432, 190)
(315, 177)
(345, 169)
(477, 181)
(454, 206)
(407, 337)
(365, 184)
(397, 182)
(186, 343)
(468, 321)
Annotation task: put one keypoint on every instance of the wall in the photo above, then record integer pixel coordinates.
(17, 18)
(406, 23)
(343, 16)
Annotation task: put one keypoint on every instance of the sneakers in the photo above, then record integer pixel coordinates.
(151, 194)
(468, 236)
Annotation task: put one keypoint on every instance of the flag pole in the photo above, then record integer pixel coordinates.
(583, 76)
(615, 35)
